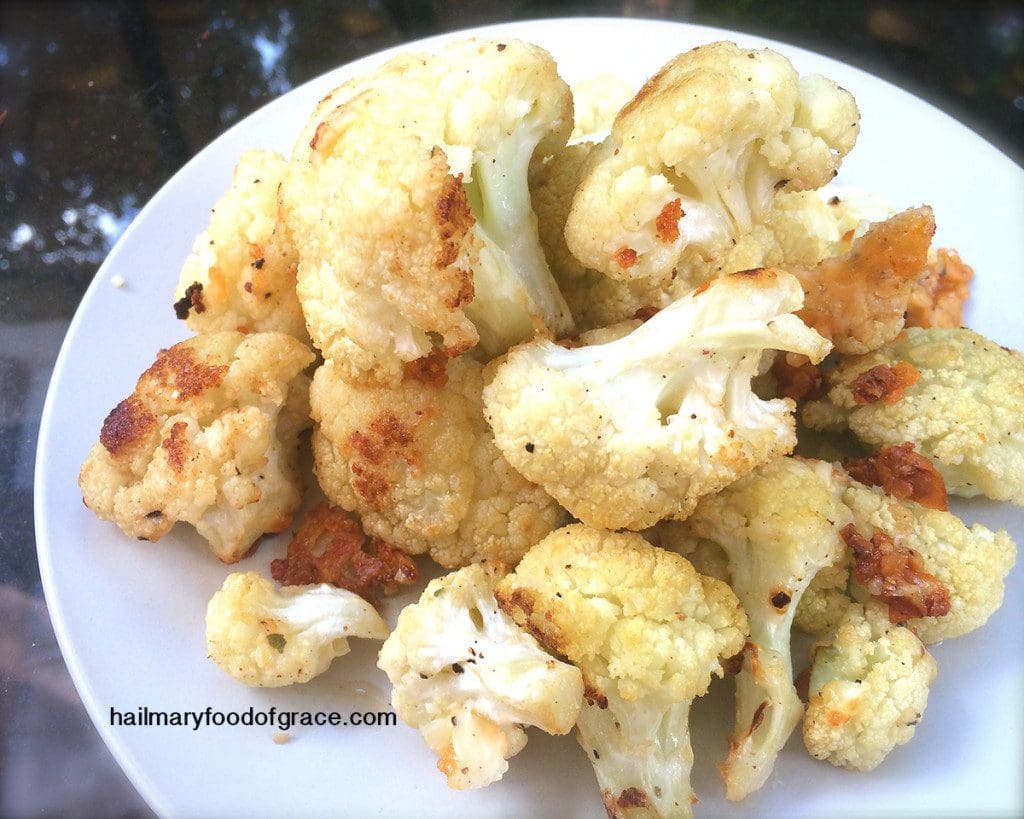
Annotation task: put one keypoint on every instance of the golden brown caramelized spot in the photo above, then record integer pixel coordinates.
(192, 300)
(702, 287)
(902, 473)
(463, 293)
(896, 576)
(372, 487)
(938, 297)
(127, 424)
(453, 219)
(796, 376)
(321, 128)
(884, 383)
(181, 370)
(595, 696)
(758, 718)
(847, 296)
(330, 547)
(385, 434)
(645, 313)
(802, 683)
(430, 369)
(177, 446)
(625, 257)
(632, 798)
(667, 223)
(733, 665)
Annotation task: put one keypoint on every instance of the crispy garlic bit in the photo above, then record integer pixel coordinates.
(330, 547)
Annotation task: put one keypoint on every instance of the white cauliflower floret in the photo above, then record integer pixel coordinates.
(407, 196)
(596, 101)
(630, 432)
(971, 563)
(267, 637)
(649, 633)
(418, 463)
(694, 159)
(208, 437)
(962, 406)
(779, 526)
(868, 689)
(469, 678)
(241, 272)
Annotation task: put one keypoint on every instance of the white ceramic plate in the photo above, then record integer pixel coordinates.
(129, 615)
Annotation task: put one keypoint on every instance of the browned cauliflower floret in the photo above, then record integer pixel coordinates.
(209, 437)
(241, 272)
(693, 161)
(418, 463)
(407, 196)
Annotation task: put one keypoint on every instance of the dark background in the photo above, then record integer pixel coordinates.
(101, 102)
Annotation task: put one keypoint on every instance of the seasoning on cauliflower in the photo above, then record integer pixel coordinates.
(970, 563)
(241, 272)
(779, 526)
(964, 411)
(268, 638)
(407, 196)
(648, 632)
(418, 464)
(208, 437)
(694, 159)
(868, 689)
(628, 433)
(469, 678)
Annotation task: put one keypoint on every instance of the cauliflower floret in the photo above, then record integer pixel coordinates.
(209, 437)
(267, 638)
(407, 196)
(971, 563)
(241, 272)
(779, 526)
(627, 433)
(469, 678)
(418, 463)
(649, 633)
(706, 556)
(868, 689)
(694, 159)
(596, 102)
(965, 411)
(594, 299)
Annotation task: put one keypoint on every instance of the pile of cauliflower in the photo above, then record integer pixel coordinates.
(564, 355)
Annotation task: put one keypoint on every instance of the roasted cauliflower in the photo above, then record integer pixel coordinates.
(694, 159)
(418, 463)
(960, 401)
(408, 199)
(267, 638)
(779, 526)
(241, 272)
(649, 633)
(868, 689)
(630, 432)
(470, 679)
(208, 437)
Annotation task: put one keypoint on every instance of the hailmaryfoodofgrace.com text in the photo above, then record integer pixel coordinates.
(278, 719)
